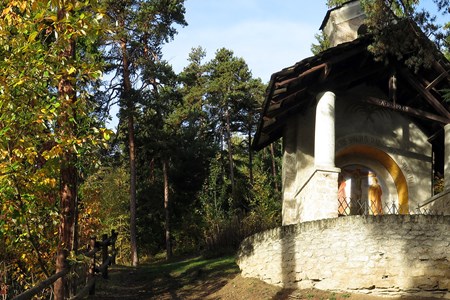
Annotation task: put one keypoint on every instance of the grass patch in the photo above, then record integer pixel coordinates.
(225, 264)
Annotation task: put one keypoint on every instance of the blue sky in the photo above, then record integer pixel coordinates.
(268, 34)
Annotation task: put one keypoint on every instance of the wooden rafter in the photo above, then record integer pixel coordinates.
(292, 100)
(302, 75)
(442, 67)
(437, 80)
(285, 99)
(425, 94)
(325, 67)
(343, 78)
(405, 109)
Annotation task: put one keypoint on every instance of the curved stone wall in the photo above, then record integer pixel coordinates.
(387, 255)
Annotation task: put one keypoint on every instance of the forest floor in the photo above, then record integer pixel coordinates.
(199, 278)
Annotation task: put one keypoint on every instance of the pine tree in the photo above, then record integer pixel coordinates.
(142, 27)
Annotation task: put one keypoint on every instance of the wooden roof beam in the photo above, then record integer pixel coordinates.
(343, 79)
(287, 106)
(406, 109)
(274, 125)
(426, 94)
(437, 80)
(287, 96)
(268, 121)
(330, 60)
(302, 75)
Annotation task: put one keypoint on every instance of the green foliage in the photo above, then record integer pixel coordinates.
(139, 30)
(200, 121)
(225, 226)
(35, 123)
(446, 95)
(401, 31)
(396, 35)
(105, 206)
(213, 196)
(183, 119)
(322, 43)
(335, 3)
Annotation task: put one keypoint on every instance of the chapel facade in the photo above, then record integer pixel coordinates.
(360, 137)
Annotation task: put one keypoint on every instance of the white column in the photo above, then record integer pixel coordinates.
(447, 157)
(324, 144)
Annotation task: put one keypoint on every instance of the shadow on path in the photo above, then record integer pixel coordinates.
(194, 278)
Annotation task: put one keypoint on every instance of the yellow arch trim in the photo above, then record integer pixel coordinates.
(390, 165)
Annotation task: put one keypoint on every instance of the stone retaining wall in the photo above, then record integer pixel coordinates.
(388, 255)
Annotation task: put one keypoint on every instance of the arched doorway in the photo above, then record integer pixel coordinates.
(366, 171)
(364, 191)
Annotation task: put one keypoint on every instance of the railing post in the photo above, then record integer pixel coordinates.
(89, 287)
(91, 272)
(105, 254)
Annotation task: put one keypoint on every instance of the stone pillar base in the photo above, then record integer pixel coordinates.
(319, 198)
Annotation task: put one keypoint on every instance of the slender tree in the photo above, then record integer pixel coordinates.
(142, 27)
(160, 130)
(226, 91)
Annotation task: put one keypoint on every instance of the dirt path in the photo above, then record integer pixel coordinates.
(202, 280)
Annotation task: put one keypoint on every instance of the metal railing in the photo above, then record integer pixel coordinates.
(350, 207)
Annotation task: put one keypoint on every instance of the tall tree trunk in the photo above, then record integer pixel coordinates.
(167, 209)
(230, 153)
(133, 235)
(68, 191)
(153, 57)
(274, 167)
(250, 155)
(68, 172)
(131, 144)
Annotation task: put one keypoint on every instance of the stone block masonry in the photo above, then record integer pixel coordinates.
(314, 200)
(382, 255)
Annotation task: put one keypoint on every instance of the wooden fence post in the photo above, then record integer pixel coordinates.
(91, 272)
(89, 287)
